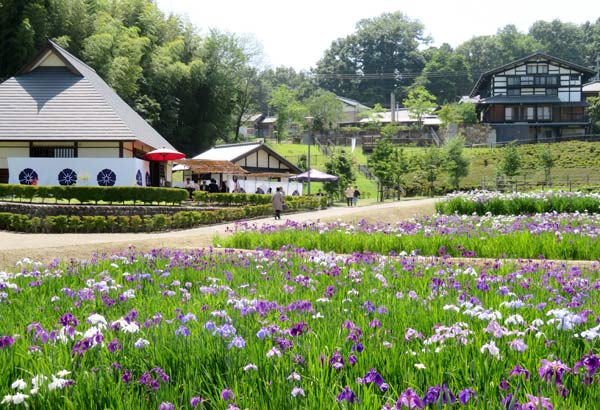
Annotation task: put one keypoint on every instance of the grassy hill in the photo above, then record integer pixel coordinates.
(577, 165)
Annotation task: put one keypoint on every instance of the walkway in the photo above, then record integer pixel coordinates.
(16, 246)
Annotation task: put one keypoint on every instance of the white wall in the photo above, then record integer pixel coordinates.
(125, 170)
(99, 149)
(12, 149)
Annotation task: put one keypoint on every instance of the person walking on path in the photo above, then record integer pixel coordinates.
(349, 192)
(278, 203)
(356, 195)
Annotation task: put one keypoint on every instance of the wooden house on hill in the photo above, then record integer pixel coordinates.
(60, 123)
(534, 99)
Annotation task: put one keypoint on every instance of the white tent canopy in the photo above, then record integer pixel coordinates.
(315, 176)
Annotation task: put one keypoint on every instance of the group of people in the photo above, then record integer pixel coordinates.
(352, 195)
(212, 187)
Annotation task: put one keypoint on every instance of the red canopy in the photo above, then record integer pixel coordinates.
(164, 154)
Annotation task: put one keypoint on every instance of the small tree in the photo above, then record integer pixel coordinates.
(430, 166)
(456, 163)
(548, 163)
(341, 166)
(380, 161)
(593, 110)
(420, 102)
(511, 162)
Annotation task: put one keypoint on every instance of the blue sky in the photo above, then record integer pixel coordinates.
(296, 33)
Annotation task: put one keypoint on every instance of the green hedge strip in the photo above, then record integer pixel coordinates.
(228, 199)
(149, 223)
(89, 194)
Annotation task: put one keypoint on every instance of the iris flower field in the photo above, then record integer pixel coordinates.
(295, 328)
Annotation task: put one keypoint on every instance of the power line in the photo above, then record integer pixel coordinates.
(392, 76)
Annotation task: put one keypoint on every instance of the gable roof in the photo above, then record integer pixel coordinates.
(236, 152)
(351, 102)
(588, 72)
(70, 103)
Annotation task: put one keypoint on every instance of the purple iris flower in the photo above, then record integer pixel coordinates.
(299, 328)
(374, 377)
(347, 395)
(410, 399)
(196, 401)
(227, 394)
(517, 371)
(166, 406)
(464, 396)
(553, 369)
(114, 345)
(590, 362)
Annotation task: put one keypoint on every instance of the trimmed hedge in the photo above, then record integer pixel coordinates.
(85, 194)
(229, 199)
(149, 223)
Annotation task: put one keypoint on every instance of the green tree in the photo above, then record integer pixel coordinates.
(420, 102)
(455, 113)
(563, 40)
(446, 75)
(431, 165)
(288, 110)
(456, 163)
(386, 46)
(547, 163)
(511, 161)
(593, 111)
(325, 108)
(341, 166)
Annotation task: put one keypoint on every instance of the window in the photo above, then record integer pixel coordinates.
(530, 114)
(537, 68)
(52, 152)
(508, 113)
(574, 77)
(543, 113)
(551, 91)
(513, 91)
(527, 80)
(552, 80)
(540, 80)
(514, 80)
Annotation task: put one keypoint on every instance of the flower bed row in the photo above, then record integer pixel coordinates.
(273, 330)
(495, 203)
(84, 194)
(556, 236)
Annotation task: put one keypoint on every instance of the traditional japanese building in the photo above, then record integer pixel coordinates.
(60, 123)
(534, 99)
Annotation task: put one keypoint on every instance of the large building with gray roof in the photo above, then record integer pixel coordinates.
(60, 123)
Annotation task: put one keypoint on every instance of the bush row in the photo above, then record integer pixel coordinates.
(92, 194)
(226, 199)
(518, 206)
(136, 223)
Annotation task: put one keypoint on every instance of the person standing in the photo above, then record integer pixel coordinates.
(349, 192)
(356, 195)
(278, 202)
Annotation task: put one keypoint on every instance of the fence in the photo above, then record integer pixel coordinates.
(585, 182)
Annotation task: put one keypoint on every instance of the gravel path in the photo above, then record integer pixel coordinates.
(44, 247)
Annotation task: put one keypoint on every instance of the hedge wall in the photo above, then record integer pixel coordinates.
(228, 199)
(85, 194)
(148, 223)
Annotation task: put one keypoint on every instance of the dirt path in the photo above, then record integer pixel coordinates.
(44, 247)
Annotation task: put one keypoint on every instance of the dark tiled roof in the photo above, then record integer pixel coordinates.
(68, 103)
(486, 75)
